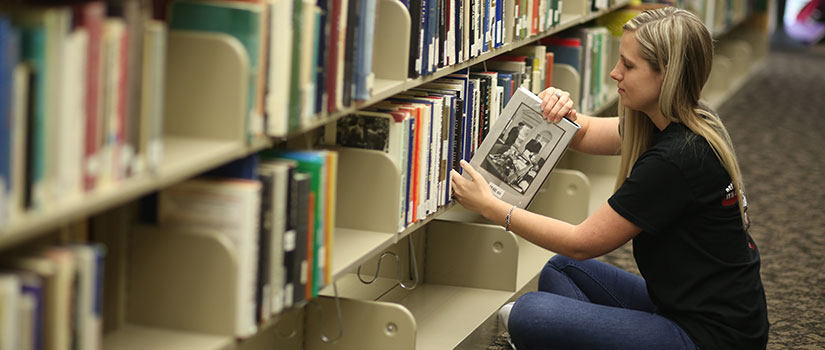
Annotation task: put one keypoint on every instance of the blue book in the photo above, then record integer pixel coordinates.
(565, 51)
(9, 57)
(243, 168)
(485, 31)
(499, 23)
(425, 36)
(363, 51)
(470, 123)
(321, 62)
(31, 286)
(505, 80)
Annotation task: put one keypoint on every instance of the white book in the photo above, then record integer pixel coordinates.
(113, 31)
(57, 26)
(521, 149)
(9, 306)
(229, 207)
(152, 96)
(70, 123)
(307, 65)
(27, 319)
(435, 152)
(280, 64)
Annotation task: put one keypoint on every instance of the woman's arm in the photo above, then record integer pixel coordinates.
(596, 136)
(599, 234)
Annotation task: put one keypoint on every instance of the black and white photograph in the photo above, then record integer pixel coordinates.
(516, 156)
(363, 131)
(521, 149)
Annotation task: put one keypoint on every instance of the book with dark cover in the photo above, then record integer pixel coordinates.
(521, 149)
(263, 284)
(353, 20)
(414, 8)
(303, 216)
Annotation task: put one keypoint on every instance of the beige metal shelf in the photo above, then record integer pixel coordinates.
(136, 337)
(184, 157)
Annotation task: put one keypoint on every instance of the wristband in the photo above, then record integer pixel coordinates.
(507, 219)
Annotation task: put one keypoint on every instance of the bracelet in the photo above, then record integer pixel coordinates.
(507, 219)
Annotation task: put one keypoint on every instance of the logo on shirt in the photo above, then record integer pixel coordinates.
(730, 197)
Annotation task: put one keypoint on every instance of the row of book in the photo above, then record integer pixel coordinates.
(81, 98)
(51, 298)
(591, 51)
(427, 130)
(447, 32)
(277, 208)
(719, 16)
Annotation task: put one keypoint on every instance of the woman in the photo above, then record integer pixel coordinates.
(678, 198)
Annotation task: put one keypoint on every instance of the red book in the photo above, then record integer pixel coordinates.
(90, 17)
(510, 58)
(548, 80)
(335, 44)
(553, 40)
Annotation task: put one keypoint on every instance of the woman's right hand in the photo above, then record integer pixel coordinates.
(556, 104)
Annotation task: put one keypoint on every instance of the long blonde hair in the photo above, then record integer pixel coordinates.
(676, 43)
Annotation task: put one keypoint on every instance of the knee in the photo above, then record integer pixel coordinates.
(521, 315)
(560, 261)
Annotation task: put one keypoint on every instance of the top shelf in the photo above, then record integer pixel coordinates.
(387, 89)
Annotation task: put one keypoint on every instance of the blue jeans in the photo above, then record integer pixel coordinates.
(591, 305)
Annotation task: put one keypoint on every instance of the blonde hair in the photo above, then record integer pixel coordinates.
(676, 43)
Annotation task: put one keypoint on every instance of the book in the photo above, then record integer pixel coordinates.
(521, 149)
(222, 206)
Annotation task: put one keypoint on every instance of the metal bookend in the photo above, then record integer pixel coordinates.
(413, 263)
(324, 337)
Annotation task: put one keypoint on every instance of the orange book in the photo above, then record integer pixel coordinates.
(310, 246)
(329, 229)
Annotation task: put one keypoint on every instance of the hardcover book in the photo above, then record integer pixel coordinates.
(521, 149)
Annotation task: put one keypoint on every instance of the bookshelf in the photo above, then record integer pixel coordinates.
(457, 291)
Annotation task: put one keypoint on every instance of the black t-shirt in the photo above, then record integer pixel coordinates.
(701, 266)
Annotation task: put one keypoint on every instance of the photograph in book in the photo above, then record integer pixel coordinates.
(521, 149)
(363, 131)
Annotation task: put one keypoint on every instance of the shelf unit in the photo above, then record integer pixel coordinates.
(457, 290)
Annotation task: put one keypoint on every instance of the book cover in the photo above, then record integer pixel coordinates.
(521, 149)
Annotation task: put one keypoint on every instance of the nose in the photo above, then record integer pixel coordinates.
(615, 74)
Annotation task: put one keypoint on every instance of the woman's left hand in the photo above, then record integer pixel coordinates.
(472, 194)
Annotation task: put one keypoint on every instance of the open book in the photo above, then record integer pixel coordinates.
(521, 149)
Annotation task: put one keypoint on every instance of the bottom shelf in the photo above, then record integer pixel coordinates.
(136, 337)
(445, 315)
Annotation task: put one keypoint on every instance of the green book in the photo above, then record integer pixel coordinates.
(240, 20)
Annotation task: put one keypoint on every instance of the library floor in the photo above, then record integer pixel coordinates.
(777, 124)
